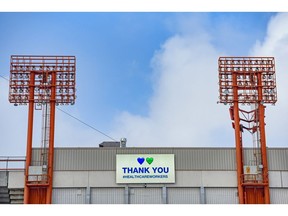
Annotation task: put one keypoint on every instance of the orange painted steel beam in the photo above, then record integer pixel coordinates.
(238, 140)
(51, 138)
(29, 136)
(246, 81)
(263, 143)
(41, 80)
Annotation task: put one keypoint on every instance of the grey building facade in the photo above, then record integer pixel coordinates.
(202, 176)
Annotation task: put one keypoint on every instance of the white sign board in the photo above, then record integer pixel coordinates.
(145, 168)
(250, 170)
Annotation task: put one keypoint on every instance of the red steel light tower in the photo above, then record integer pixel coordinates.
(43, 82)
(249, 81)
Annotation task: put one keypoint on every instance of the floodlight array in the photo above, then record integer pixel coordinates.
(251, 76)
(42, 68)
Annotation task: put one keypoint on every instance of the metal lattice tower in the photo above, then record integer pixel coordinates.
(42, 82)
(249, 81)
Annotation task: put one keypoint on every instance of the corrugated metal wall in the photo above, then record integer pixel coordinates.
(278, 159)
(144, 150)
(204, 159)
(145, 195)
(3, 178)
(85, 159)
(221, 196)
(107, 196)
(183, 195)
(68, 196)
(249, 158)
(279, 195)
(185, 158)
(154, 195)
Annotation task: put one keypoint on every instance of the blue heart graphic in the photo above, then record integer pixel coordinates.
(140, 160)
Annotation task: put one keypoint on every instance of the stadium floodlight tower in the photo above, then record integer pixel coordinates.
(42, 82)
(249, 81)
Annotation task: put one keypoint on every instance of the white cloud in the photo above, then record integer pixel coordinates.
(276, 45)
(183, 109)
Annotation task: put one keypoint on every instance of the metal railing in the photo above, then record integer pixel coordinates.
(253, 179)
(15, 163)
(37, 180)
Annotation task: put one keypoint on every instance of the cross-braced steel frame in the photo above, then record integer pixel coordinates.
(41, 81)
(249, 81)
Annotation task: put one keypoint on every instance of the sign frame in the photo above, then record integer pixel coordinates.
(145, 168)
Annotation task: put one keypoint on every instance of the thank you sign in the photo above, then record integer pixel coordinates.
(145, 168)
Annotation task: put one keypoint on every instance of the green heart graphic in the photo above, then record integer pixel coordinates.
(149, 160)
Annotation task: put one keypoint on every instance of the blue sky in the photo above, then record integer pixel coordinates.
(129, 65)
